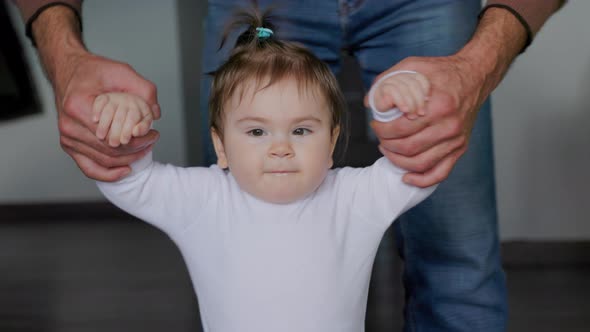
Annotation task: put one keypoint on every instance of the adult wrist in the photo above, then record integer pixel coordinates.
(497, 41)
(33, 16)
(532, 14)
(58, 36)
(518, 16)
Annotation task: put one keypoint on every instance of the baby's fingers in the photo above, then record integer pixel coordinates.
(400, 95)
(417, 94)
(133, 117)
(424, 83)
(99, 103)
(117, 126)
(144, 126)
(144, 108)
(105, 120)
(422, 90)
(418, 88)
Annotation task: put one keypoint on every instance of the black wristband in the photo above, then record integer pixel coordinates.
(525, 24)
(29, 24)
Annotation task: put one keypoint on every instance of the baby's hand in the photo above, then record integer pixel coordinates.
(406, 91)
(121, 116)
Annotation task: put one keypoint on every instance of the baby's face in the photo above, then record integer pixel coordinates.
(278, 142)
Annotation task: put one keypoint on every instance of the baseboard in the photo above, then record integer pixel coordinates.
(514, 253)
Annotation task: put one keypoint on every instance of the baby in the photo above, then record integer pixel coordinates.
(274, 239)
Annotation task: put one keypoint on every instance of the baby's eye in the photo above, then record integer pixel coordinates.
(301, 131)
(256, 132)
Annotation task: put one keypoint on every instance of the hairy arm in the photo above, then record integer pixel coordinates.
(59, 42)
(505, 29)
(532, 14)
(77, 77)
(497, 41)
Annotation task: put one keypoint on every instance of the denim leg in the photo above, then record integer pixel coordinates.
(452, 272)
(315, 24)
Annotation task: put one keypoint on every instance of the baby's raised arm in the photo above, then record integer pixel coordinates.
(120, 117)
(405, 90)
(379, 191)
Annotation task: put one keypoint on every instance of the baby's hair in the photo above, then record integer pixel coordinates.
(265, 60)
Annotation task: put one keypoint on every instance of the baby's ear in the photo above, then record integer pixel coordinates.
(219, 149)
(335, 135)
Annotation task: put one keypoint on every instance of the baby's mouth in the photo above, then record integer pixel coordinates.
(281, 172)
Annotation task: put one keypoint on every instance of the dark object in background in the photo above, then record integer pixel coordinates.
(17, 96)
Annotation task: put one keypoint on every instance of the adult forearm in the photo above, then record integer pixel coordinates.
(28, 8)
(505, 30)
(495, 44)
(57, 34)
(533, 12)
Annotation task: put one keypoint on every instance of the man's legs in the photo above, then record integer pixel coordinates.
(452, 273)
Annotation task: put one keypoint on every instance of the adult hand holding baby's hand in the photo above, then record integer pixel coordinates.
(81, 77)
(429, 146)
(120, 117)
(407, 91)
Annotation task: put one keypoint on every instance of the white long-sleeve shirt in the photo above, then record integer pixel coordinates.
(258, 266)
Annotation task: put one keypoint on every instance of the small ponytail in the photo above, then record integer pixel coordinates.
(255, 20)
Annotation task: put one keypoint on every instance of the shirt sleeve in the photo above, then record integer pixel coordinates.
(377, 193)
(166, 196)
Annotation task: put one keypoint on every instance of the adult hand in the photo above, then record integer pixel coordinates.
(85, 76)
(78, 76)
(429, 146)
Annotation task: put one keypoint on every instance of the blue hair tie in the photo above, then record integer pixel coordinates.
(264, 33)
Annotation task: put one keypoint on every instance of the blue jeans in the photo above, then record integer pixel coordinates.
(452, 273)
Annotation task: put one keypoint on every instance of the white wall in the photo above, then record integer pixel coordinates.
(541, 120)
(33, 168)
(542, 135)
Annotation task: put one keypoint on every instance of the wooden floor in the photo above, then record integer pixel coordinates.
(122, 275)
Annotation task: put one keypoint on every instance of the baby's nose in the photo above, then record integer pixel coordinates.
(281, 149)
